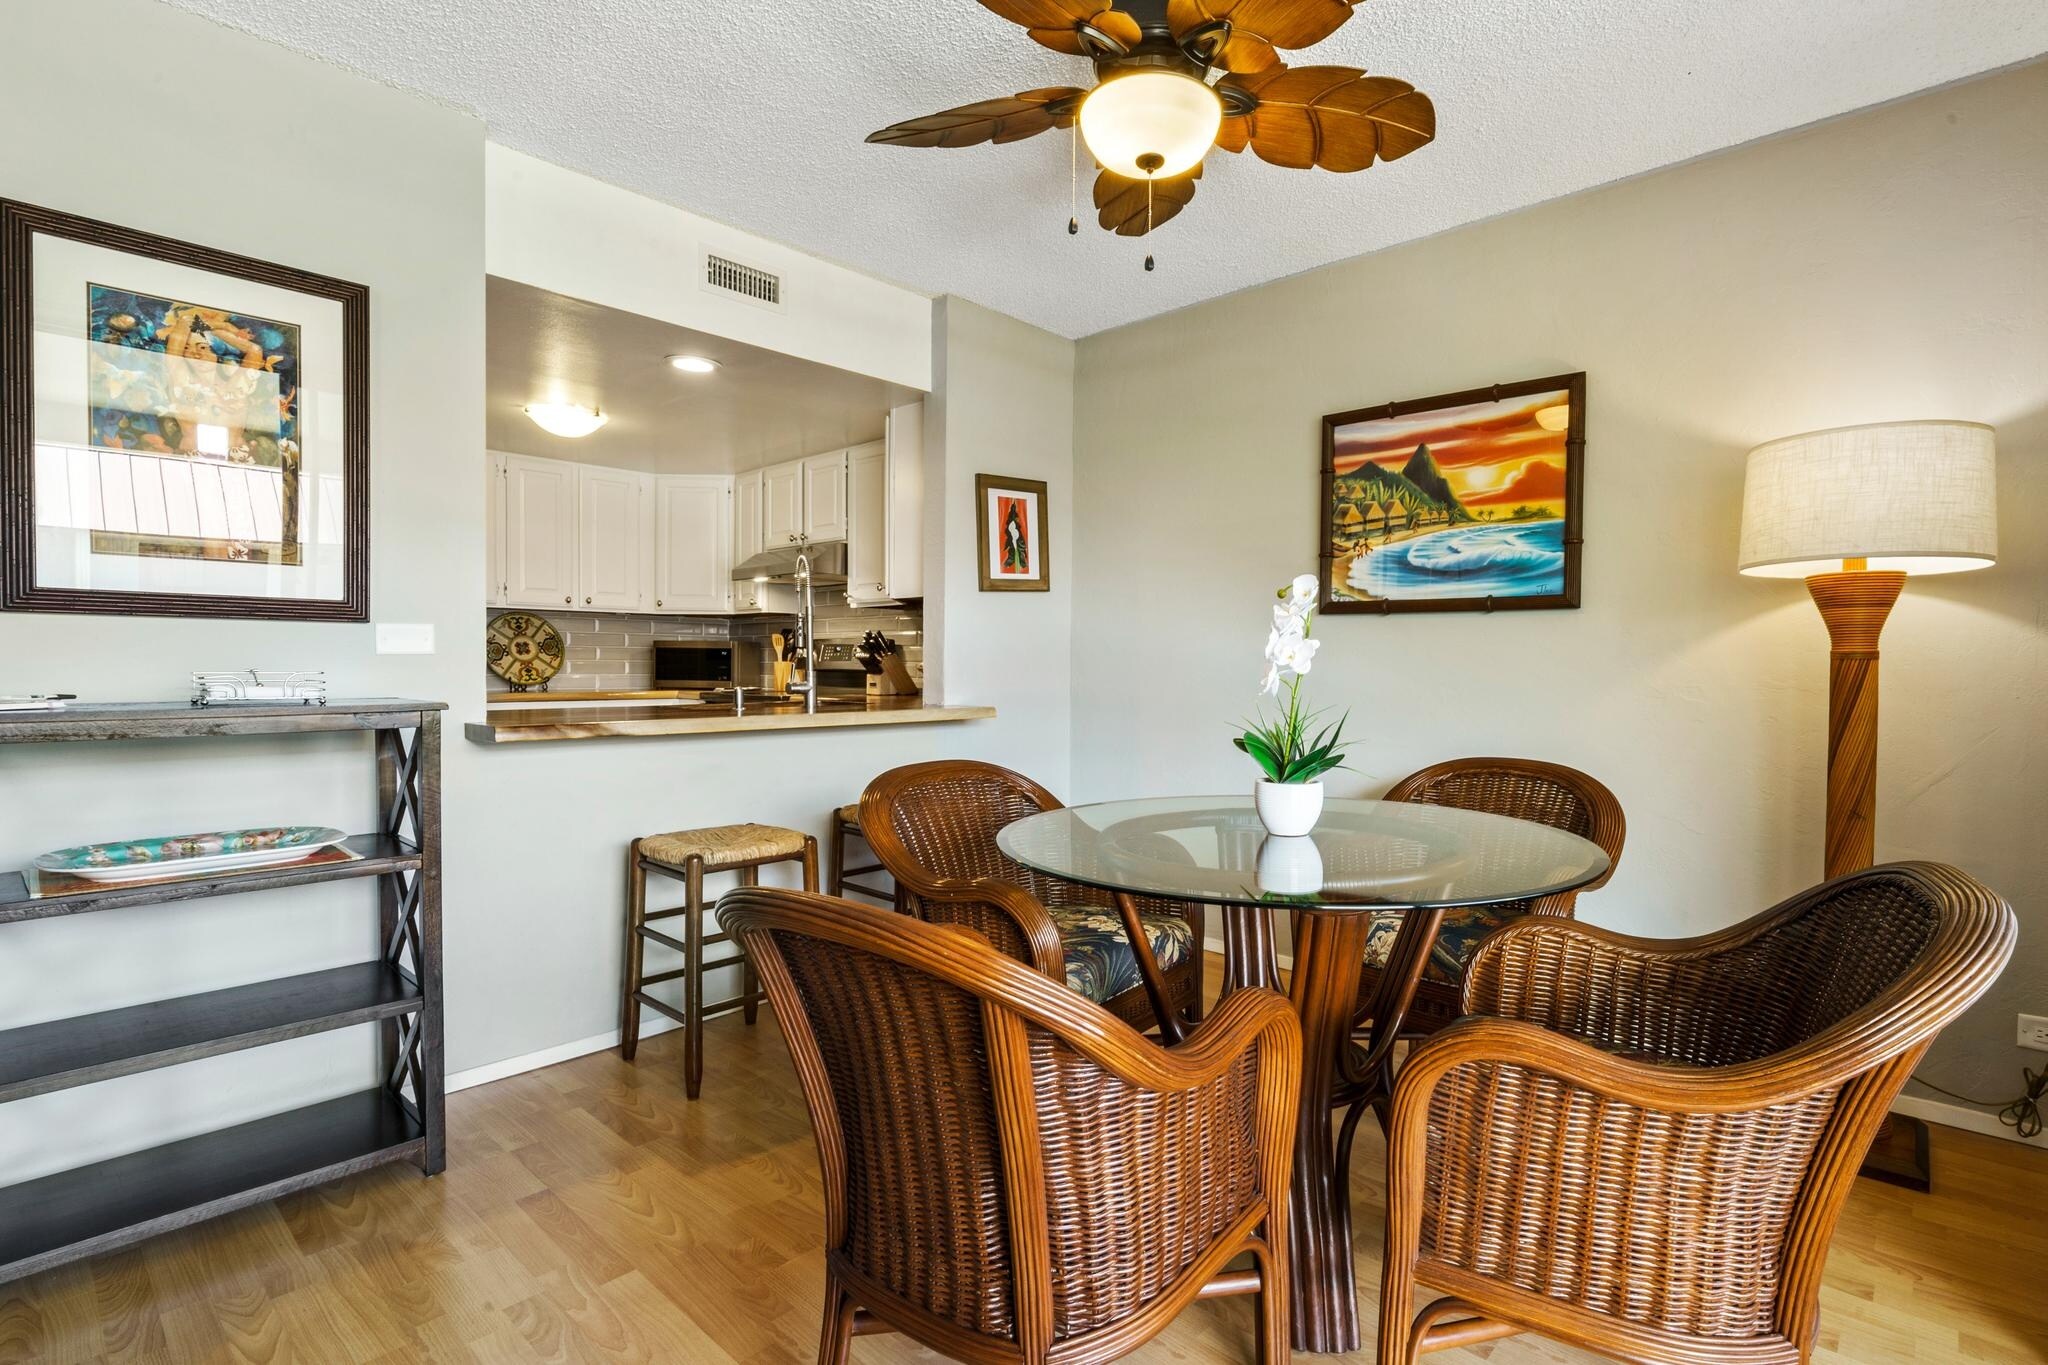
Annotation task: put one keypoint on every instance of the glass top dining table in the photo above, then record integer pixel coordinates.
(1363, 859)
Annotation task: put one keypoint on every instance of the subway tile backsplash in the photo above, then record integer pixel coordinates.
(608, 651)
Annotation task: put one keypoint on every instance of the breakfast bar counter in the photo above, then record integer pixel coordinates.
(532, 723)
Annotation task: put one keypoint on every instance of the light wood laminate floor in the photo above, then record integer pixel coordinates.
(590, 1213)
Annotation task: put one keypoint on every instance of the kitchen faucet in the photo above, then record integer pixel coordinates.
(805, 645)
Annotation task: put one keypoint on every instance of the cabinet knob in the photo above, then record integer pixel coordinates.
(568, 599)
(586, 601)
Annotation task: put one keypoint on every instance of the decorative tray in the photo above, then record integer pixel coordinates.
(190, 855)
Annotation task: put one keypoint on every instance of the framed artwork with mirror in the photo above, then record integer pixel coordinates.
(183, 431)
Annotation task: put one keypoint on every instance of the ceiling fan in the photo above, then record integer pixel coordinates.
(1176, 77)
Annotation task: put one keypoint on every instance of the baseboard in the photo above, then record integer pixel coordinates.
(548, 1056)
(1957, 1116)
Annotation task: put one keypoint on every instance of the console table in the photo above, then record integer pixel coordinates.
(89, 1209)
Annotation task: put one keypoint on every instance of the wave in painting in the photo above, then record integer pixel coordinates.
(1522, 559)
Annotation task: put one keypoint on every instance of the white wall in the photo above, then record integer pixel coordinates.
(1889, 265)
(371, 185)
(578, 236)
(355, 180)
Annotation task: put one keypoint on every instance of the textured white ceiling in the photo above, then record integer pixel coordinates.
(753, 111)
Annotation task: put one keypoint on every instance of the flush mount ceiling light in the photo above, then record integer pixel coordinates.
(693, 364)
(565, 419)
(1174, 79)
(1150, 123)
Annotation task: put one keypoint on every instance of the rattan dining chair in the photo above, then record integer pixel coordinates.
(1547, 793)
(1642, 1147)
(933, 827)
(1010, 1172)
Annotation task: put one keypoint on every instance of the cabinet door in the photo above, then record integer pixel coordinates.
(540, 532)
(693, 530)
(904, 574)
(612, 558)
(746, 515)
(824, 515)
(494, 528)
(867, 525)
(782, 503)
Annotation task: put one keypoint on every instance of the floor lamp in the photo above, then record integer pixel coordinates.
(1853, 511)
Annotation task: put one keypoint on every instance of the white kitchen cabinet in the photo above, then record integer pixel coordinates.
(903, 574)
(494, 529)
(824, 509)
(746, 516)
(782, 503)
(612, 538)
(867, 525)
(693, 519)
(540, 532)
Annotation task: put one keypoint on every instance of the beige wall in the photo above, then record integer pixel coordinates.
(1888, 265)
(371, 185)
(361, 182)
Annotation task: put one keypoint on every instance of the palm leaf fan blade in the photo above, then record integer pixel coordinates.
(1120, 202)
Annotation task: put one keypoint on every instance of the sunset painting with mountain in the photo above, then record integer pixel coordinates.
(1457, 501)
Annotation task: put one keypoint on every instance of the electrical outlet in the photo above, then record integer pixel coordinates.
(2034, 1032)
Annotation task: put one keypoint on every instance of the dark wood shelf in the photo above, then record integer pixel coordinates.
(75, 1213)
(182, 720)
(96, 1047)
(376, 855)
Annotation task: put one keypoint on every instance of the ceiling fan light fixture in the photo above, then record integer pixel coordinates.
(565, 419)
(1150, 124)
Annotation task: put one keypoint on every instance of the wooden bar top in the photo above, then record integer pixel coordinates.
(527, 724)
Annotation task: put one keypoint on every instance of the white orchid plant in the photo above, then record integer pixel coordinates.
(1282, 744)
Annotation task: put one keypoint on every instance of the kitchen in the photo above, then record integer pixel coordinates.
(691, 535)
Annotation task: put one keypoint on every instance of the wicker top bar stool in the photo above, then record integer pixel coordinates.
(840, 878)
(687, 854)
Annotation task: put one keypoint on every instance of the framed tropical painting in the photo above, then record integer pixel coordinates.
(1459, 502)
(183, 431)
(1010, 520)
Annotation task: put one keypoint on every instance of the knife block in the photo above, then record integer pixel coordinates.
(894, 680)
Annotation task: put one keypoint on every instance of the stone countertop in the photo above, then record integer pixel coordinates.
(527, 723)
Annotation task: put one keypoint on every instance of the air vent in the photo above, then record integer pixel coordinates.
(744, 280)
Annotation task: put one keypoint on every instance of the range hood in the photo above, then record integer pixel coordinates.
(778, 565)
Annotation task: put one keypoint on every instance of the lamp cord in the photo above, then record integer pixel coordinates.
(2023, 1115)
(1074, 177)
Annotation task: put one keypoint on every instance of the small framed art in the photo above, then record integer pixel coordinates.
(183, 431)
(1010, 516)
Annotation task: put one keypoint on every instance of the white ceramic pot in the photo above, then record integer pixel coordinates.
(1288, 809)
(1290, 866)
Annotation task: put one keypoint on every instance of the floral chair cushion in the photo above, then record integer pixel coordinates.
(1100, 963)
(1455, 942)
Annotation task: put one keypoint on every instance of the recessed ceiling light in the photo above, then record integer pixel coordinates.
(693, 364)
(565, 419)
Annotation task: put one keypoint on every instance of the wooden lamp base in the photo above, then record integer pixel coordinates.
(1854, 605)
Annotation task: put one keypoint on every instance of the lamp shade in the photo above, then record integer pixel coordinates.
(1920, 497)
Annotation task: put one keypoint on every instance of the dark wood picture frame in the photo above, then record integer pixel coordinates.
(1574, 386)
(983, 484)
(19, 591)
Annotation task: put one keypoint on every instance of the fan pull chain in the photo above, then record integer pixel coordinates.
(1148, 218)
(1074, 177)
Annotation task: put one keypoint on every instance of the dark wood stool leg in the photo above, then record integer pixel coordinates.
(636, 912)
(693, 977)
(750, 982)
(811, 864)
(836, 885)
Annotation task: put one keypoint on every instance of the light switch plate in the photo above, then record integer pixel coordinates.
(404, 639)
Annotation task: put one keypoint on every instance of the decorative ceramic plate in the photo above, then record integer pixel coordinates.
(523, 649)
(190, 854)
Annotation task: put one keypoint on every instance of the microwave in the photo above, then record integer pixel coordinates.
(698, 665)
